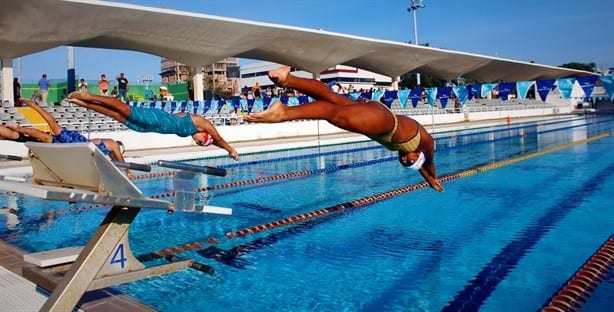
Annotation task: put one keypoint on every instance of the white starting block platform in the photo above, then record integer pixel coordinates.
(79, 172)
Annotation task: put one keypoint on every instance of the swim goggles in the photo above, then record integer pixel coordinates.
(418, 163)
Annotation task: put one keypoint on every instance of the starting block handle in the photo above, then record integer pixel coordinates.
(10, 157)
(133, 166)
(193, 168)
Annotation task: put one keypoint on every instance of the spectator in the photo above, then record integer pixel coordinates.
(256, 90)
(82, 85)
(60, 134)
(233, 117)
(35, 96)
(103, 85)
(165, 95)
(16, 91)
(268, 92)
(122, 86)
(114, 92)
(190, 90)
(43, 86)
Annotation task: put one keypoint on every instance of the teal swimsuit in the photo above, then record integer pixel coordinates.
(156, 120)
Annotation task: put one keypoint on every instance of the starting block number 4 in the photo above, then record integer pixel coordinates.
(119, 257)
(121, 260)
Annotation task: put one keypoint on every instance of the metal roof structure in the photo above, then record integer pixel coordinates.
(29, 26)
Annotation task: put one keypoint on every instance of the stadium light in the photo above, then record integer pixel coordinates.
(413, 7)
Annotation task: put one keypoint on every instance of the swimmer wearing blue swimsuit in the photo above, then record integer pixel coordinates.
(60, 134)
(154, 120)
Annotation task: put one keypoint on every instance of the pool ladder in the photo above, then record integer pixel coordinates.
(581, 285)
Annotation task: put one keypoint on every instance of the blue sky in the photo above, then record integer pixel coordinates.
(549, 32)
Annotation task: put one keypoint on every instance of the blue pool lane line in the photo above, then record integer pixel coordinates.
(473, 296)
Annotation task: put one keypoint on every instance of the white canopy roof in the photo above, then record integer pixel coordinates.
(29, 26)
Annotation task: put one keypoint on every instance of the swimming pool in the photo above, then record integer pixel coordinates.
(502, 239)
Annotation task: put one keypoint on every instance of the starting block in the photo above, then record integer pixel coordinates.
(79, 172)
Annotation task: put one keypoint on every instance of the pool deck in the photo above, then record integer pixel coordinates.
(31, 298)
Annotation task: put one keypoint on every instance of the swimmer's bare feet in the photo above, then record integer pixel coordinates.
(280, 75)
(275, 113)
(78, 102)
(80, 95)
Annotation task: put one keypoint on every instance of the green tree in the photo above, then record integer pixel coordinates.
(591, 67)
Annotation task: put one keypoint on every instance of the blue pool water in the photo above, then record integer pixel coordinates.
(501, 240)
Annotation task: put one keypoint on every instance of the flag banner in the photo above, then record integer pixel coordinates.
(293, 101)
(487, 88)
(473, 91)
(207, 106)
(389, 96)
(236, 101)
(266, 102)
(243, 104)
(431, 94)
(587, 83)
(365, 96)
(258, 105)
(544, 87)
(565, 86)
(608, 84)
(376, 95)
(415, 95)
(522, 88)
(461, 93)
(505, 88)
(303, 99)
(443, 93)
(403, 95)
(354, 95)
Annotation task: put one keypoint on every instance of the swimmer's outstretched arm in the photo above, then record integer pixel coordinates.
(8, 133)
(36, 134)
(204, 125)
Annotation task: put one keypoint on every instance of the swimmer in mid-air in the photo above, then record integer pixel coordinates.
(374, 119)
(60, 134)
(154, 120)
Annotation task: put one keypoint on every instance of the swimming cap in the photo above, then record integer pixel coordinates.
(418, 163)
(207, 139)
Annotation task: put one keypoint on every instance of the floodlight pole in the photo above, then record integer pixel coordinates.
(414, 6)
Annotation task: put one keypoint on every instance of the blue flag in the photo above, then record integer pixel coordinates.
(473, 91)
(565, 86)
(403, 95)
(544, 87)
(487, 88)
(415, 95)
(431, 94)
(443, 93)
(389, 97)
(376, 95)
(461, 93)
(522, 88)
(587, 83)
(608, 84)
(505, 88)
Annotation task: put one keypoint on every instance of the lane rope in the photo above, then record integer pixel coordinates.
(378, 197)
(360, 202)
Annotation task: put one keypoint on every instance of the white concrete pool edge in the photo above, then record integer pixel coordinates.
(151, 147)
